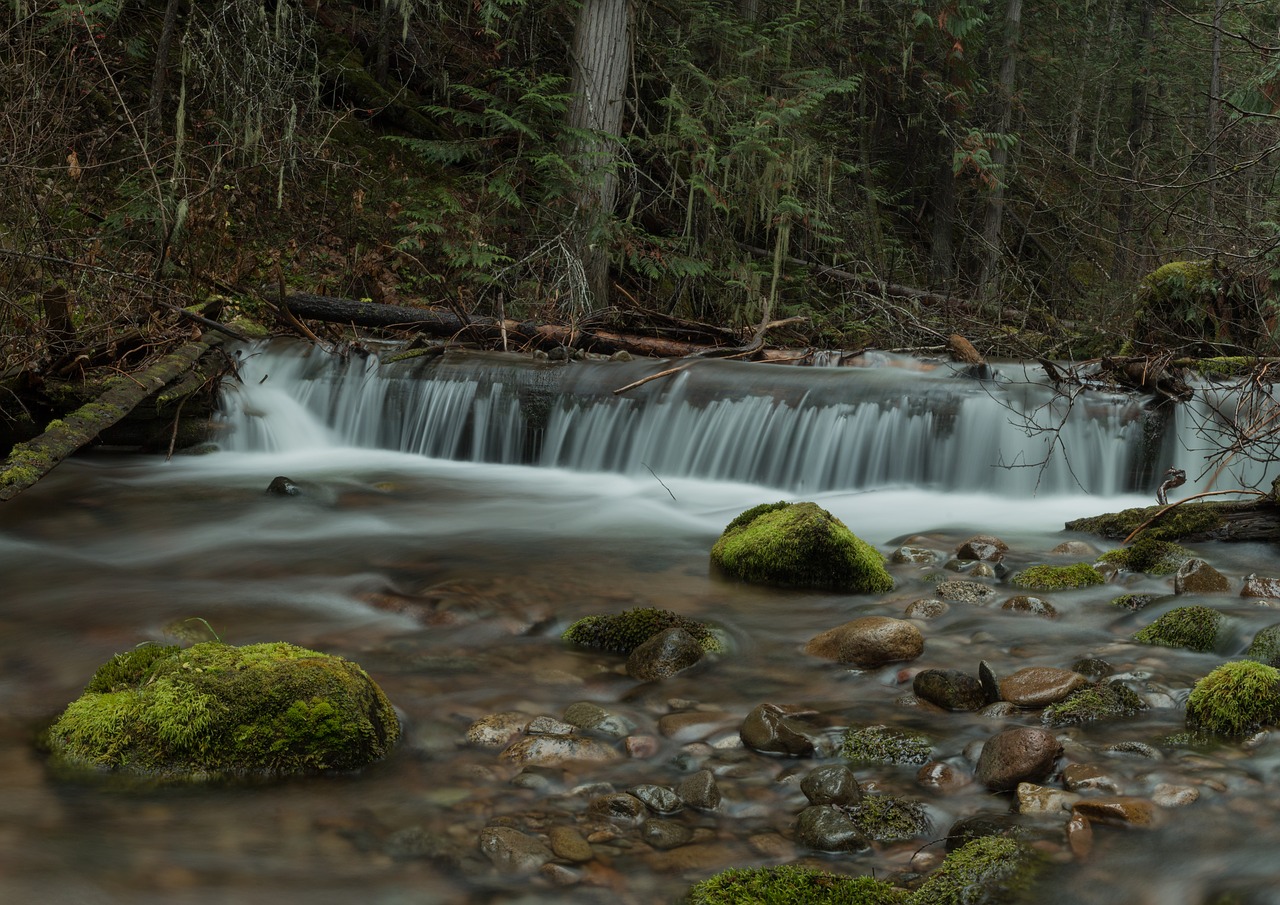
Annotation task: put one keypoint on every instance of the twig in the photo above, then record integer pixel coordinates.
(1194, 496)
(644, 380)
(659, 480)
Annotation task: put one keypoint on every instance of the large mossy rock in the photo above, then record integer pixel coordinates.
(1235, 699)
(799, 545)
(215, 711)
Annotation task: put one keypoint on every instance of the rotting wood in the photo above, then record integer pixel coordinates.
(28, 462)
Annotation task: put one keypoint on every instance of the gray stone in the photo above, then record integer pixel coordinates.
(593, 718)
(666, 834)
(512, 851)
(497, 730)
(828, 829)
(869, 642)
(545, 725)
(1021, 754)
(913, 554)
(555, 749)
(834, 784)
(965, 592)
(926, 608)
(659, 799)
(664, 655)
(619, 807)
(950, 689)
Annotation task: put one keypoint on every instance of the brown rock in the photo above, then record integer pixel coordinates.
(1198, 577)
(1040, 686)
(982, 547)
(497, 730)
(556, 749)
(1080, 836)
(569, 844)
(1261, 587)
(1088, 777)
(941, 777)
(1077, 548)
(869, 642)
(1021, 754)
(1034, 606)
(1118, 810)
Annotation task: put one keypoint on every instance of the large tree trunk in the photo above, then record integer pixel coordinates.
(1000, 154)
(942, 244)
(1211, 132)
(1126, 239)
(160, 75)
(601, 62)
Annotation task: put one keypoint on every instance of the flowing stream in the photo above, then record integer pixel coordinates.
(459, 512)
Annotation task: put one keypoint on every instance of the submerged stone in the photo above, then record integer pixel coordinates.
(1235, 699)
(799, 545)
(869, 642)
(1191, 627)
(217, 711)
(622, 633)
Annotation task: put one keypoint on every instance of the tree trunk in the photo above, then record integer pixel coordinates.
(1212, 128)
(1126, 241)
(601, 62)
(160, 75)
(942, 246)
(1000, 154)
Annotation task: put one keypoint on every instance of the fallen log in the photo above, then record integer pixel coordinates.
(28, 462)
(1190, 522)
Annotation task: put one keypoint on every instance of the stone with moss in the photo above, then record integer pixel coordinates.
(987, 871)
(884, 745)
(889, 818)
(1199, 520)
(1102, 701)
(1265, 647)
(215, 711)
(1057, 578)
(1149, 555)
(792, 885)
(1235, 699)
(1133, 602)
(799, 545)
(622, 633)
(1192, 627)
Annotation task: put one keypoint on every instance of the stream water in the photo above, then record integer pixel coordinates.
(460, 512)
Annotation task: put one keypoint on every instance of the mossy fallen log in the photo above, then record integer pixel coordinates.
(1190, 522)
(28, 462)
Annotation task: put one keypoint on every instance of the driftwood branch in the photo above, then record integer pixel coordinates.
(28, 462)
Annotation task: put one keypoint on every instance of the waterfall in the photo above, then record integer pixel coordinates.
(802, 429)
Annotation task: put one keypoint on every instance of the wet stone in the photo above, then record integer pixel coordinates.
(869, 642)
(414, 842)
(926, 608)
(834, 784)
(666, 834)
(1039, 686)
(990, 684)
(982, 547)
(497, 730)
(979, 826)
(913, 555)
(1118, 810)
(1093, 668)
(619, 807)
(593, 718)
(700, 791)
(1036, 799)
(965, 592)
(569, 844)
(950, 689)
(1021, 754)
(659, 799)
(1031, 606)
(1170, 795)
(553, 749)
(772, 729)
(828, 829)
(692, 725)
(664, 655)
(545, 725)
(890, 818)
(1077, 548)
(942, 778)
(1089, 777)
(1261, 587)
(512, 851)
(1198, 577)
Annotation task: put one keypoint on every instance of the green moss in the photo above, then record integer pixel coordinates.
(1235, 699)
(1133, 602)
(799, 545)
(24, 465)
(621, 633)
(1192, 627)
(1226, 366)
(216, 711)
(888, 818)
(1265, 647)
(1187, 520)
(1149, 555)
(792, 885)
(1105, 700)
(986, 871)
(883, 745)
(1057, 578)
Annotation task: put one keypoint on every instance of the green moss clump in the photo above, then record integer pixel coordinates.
(792, 885)
(1133, 602)
(888, 818)
(1105, 700)
(799, 545)
(621, 633)
(883, 745)
(1225, 366)
(215, 711)
(1149, 555)
(1265, 647)
(1235, 699)
(986, 871)
(1187, 520)
(1192, 627)
(1057, 578)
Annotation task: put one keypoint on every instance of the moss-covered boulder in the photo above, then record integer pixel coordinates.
(792, 885)
(799, 545)
(1191, 627)
(1105, 700)
(1149, 555)
(1235, 699)
(986, 871)
(1265, 647)
(216, 711)
(1057, 578)
(622, 633)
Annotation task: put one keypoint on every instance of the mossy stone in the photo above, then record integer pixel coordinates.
(1149, 555)
(1105, 700)
(884, 745)
(1235, 699)
(1057, 578)
(216, 711)
(622, 633)
(792, 885)
(986, 871)
(1191, 627)
(1265, 647)
(799, 545)
(889, 818)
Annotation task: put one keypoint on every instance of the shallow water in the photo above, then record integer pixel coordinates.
(483, 566)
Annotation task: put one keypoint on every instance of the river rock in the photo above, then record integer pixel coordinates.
(700, 791)
(595, 719)
(890, 818)
(1032, 606)
(569, 844)
(497, 730)
(943, 778)
(965, 592)
(926, 608)
(692, 725)
(1020, 754)
(666, 834)
(546, 725)
(282, 486)
(659, 799)
(556, 749)
(1192, 627)
(1088, 703)
(1089, 778)
(980, 826)
(619, 807)
(1039, 686)
(869, 642)
(950, 689)
(664, 655)
(828, 829)
(909, 554)
(1118, 810)
(982, 547)
(773, 729)
(1171, 795)
(833, 784)
(1077, 548)
(1035, 799)
(512, 851)
(1196, 576)
(1261, 587)
(884, 745)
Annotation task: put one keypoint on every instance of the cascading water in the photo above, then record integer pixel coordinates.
(800, 429)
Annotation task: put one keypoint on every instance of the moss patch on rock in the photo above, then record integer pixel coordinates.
(1235, 699)
(1191, 627)
(888, 818)
(1265, 647)
(799, 545)
(216, 711)
(1149, 555)
(1105, 700)
(792, 885)
(1188, 520)
(1057, 578)
(622, 633)
(986, 871)
(884, 745)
